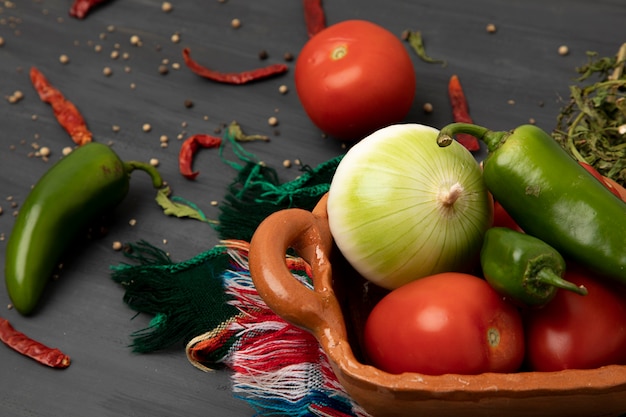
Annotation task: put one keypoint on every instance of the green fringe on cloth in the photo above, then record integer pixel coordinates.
(256, 193)
(187, 298)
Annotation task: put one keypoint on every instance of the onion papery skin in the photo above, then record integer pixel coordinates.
(385, 207)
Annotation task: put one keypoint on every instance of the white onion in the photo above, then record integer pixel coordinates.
(401, 208)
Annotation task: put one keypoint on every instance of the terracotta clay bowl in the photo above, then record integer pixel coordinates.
(335, 309)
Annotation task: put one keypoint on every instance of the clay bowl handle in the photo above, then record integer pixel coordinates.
(317, 309)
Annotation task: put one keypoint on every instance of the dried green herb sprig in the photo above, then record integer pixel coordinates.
(415, 39)
(592, 126)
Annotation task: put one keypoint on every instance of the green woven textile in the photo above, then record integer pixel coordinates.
(186, 298)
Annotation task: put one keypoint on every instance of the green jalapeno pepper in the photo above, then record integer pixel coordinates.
(71, 194)
(551, 196)
(522, 268)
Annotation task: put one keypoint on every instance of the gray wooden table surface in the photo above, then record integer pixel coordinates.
(510, 76)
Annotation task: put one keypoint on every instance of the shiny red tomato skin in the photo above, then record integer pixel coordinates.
(578, 332)
(503, 219)
(616, 188)
(445, 323)
(599, 177)
(353, 78)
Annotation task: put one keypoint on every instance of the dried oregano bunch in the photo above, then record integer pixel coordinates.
(592, 126)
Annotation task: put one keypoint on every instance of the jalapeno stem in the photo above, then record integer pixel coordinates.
(548, 277)
(157, 180)
(492, 139)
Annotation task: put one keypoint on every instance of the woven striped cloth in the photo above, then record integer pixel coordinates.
(208, 304)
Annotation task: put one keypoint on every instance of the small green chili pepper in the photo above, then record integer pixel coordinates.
(551, 196)
(523, 268)
(71, 194)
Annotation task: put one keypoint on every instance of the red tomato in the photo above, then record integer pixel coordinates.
(606, 181)
(578, 332)
(615, 187)
(445, 323)
(353, 78)
(503, 219)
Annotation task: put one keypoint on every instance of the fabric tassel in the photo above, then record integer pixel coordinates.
(256, 193)
(210, 304)
(185, 298)
(279, 369)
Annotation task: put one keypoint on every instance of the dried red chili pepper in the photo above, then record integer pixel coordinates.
(80, 8)
(460, 113)
(65, 111)
(23, 344)
(314, 16)
(191, 145)
(232, 77)
(189, 148)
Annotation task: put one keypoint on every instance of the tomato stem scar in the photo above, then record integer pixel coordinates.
(339, 52)
(493, 337)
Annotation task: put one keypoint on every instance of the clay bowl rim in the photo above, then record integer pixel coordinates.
(308, 232)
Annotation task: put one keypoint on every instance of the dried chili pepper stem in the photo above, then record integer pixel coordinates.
(416, 41)
(26, 346)
(65, 111)
(235, 78)
(235, 131)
